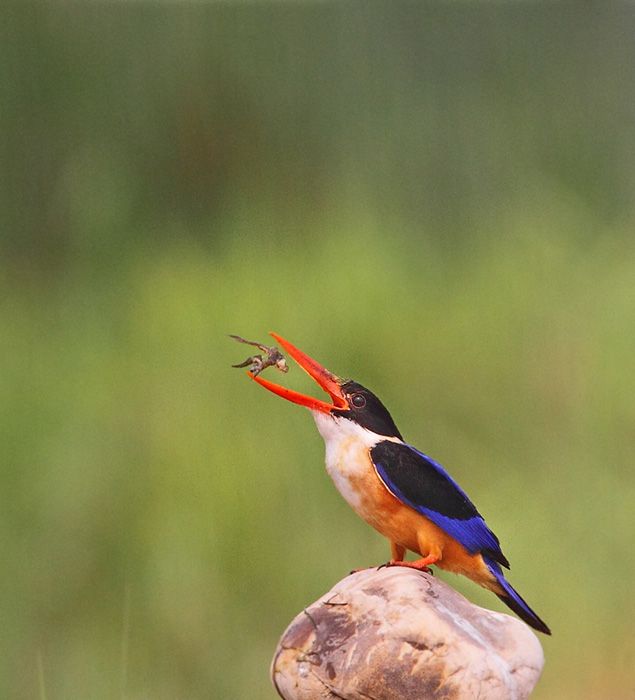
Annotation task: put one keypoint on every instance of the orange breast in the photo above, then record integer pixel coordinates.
(356, 478)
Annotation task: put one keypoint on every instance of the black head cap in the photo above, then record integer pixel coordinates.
(367, 410)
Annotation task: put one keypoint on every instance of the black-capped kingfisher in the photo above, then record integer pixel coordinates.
(404, 494)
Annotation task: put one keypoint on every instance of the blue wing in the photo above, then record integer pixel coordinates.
(423, 484)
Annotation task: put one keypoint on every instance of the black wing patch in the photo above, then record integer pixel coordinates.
(422, 481)
(424, 485)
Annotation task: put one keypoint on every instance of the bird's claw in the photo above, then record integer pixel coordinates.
(407, 565)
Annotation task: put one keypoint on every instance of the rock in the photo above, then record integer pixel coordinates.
(396, 633)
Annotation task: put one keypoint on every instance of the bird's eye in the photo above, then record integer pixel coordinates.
(358, 400)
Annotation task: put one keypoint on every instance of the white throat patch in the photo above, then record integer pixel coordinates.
(334, 429)
(348, 461)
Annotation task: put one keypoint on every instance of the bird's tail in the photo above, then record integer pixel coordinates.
(513, 600)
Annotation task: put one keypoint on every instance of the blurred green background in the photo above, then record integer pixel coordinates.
(434, 198)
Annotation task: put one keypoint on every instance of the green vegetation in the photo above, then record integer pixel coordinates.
(434, 200)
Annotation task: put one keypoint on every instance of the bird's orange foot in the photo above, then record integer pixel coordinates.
(418, 564)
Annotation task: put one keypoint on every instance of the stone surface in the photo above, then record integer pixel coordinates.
(395, 634)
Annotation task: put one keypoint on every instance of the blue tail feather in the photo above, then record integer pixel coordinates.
(513, 600)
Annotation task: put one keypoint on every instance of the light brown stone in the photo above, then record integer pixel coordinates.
(395, 634)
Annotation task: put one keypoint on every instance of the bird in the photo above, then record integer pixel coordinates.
(401, 492)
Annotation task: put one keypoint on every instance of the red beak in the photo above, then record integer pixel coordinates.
(327, 381)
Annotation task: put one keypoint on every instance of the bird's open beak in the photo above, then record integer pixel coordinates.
(327, 381)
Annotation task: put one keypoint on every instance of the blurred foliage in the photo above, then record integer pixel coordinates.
(433, 198)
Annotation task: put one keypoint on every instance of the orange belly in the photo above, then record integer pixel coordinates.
(404, 526)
